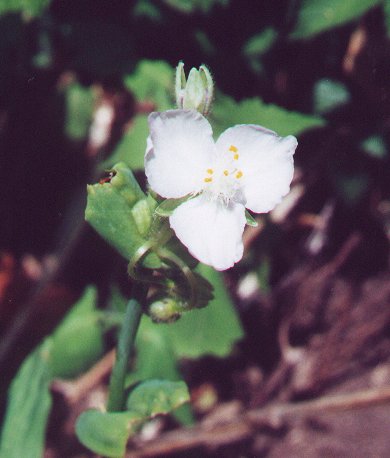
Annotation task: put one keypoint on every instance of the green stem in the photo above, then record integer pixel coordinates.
(116, 396)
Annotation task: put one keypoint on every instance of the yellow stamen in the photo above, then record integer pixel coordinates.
(210, 171)
(226, 173)
(239, 174)
(236, 156)
(233, 148)
(208, 180)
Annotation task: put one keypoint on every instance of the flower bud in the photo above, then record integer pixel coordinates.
(165, 310)
(196, 93)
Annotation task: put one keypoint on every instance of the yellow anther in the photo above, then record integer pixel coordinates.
(239, 174)
(233, 148)
(236, 156)
(208, 180)
(210, 171)
(226, 173)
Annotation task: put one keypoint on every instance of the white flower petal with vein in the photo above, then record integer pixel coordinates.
(248, 166)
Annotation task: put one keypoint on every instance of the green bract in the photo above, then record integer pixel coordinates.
(118, 210)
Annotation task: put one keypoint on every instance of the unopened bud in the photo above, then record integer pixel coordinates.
(166, 310)
(197, 92)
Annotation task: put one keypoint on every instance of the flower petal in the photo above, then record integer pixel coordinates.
(265, 160)
(210, 230)
(179, 151)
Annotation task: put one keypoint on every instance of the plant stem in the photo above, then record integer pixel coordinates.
(132, 318)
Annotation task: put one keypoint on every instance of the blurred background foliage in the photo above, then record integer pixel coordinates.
(77, 81)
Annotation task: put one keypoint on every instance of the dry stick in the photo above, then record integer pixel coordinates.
(243, 426)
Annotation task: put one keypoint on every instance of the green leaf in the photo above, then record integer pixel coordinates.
(386, 7)
(328, 95)
(131, 148)
(79, 102)
(212, 330)
(316, 16)
(155, 356)
(29, 403)
(375, 146)
(107, 433)
(154, 397)
(156, 360)
(259, 44)
(227, 112)
(78, 340)
(29, 8)
(110, 212)
(152, 81)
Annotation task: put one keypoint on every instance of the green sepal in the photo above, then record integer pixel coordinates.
(111, 211)
(250, 221)
(167, 207)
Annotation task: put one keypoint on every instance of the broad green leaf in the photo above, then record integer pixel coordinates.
(155, 356)
(212, 330)
(110, 212)
(78, 110)
(328, 95)
(227, 113)
(29, 8)
(78, 340)
(153, 81)
(154, 397)
(260, 43)
(131, 148)
(316, 16)
(107, 433)
(29, 403)
(155, 359)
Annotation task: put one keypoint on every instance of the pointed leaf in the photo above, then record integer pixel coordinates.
(107, 433)
(29, 403)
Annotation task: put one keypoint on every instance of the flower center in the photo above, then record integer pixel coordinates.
(222, 180)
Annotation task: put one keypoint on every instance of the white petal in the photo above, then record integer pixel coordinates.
(179, 151)
(266, 162)
(210, 230)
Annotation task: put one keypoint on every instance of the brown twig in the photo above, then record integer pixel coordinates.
(244, 425)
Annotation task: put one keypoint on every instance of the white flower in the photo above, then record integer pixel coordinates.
(248, 166)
